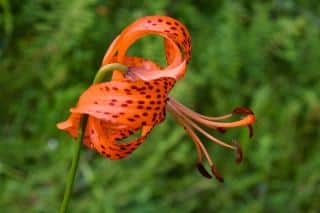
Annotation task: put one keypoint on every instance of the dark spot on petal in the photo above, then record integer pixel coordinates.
(145, 114)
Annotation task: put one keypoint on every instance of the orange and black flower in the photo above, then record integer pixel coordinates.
(135, 101)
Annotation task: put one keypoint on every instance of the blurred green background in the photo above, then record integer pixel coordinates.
(261, 54)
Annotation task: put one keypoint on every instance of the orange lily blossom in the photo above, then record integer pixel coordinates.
(138, 99)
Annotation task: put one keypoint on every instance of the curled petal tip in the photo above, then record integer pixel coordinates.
(217, 174)
(239, 153)
(203, 171)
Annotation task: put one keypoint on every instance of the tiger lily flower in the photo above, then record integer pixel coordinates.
(133, 102)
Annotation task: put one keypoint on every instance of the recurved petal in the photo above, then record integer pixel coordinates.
(138, 63)
(134, 64)
(127, 103)
(177, 42)
(174, 72)
(71, 125)
(106, 141)
(164, 26)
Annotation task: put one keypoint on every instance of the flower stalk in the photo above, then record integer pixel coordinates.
(100, 76)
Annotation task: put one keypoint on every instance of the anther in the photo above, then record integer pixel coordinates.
(221, 129)
(243, 110)
(250, 131)
(203, 171)
(217, 174)
(239, 154)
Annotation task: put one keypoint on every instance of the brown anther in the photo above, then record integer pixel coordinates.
(239, 153)
(250, 131)
(203, 171)
(221, 129)
(217, 174)
(243, 110)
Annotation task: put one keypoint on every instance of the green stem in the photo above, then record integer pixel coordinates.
(101, 74)
(104, 70)
(74, 167)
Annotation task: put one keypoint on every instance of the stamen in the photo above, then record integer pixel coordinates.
(246, 111)
(191, 112)
(239, 153)
(190, 132)
(191, 121)
(195, 139)
(243, 110)
(199, 145)
(203, 171)
(194, 125)
(217, 174)
(222, 130)
(250, 130)
(249, 119)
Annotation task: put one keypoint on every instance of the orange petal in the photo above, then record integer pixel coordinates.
(105, 142)
(135, 64)
(177, 42)
(127, 103)
(164, 26)
(71, 125)
(138, 63)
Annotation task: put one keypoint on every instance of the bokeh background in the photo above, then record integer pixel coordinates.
(261, 54)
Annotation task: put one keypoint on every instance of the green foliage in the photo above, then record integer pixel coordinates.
(262, 54)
